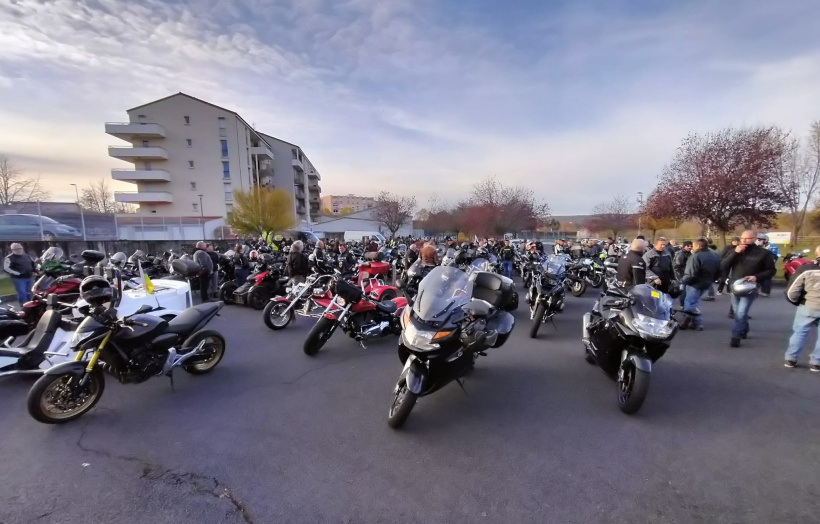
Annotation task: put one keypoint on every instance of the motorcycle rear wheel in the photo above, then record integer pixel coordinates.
(226, 293)
(389, 294)
(273, 316)
(258, 297)
(52, 389)
(577, 289)
(319, 334)
(596, 280)
(403, 402)
(537, 319)
(632, 389)
(212, 352)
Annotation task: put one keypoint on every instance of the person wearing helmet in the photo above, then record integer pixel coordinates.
(96, 291)
(804, 292)
(763, 241)
(750, 263)
(701, 270)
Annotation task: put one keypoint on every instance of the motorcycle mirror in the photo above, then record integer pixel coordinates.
(145, 308)
(806, 251)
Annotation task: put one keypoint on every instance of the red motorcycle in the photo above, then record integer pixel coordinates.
(792, 261)
(359, 315)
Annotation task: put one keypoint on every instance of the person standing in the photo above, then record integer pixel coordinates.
(679, 266)
(763, 241)
(750, 262)
(724, 275)
(214, 286)
(507, 255)
(701, 269)
(659, 265)
(631, 266)
(804, 292)
(241, 266)
(202, 258)
(21, 268)
(298, 263)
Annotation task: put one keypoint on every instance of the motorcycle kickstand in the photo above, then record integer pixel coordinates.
(460, 382)
(363, 344)
(171, 376)
(552, 321)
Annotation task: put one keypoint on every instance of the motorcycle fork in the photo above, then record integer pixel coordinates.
(92, 362)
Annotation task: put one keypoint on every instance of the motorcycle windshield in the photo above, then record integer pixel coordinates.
(440, 292)
(651, 302)
(481, 264)
(136, 257)
(554, 265)
(414, 268)
(52, 254)
(43, 283)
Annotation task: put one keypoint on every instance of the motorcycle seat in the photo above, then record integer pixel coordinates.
(191, 318)
(40, 339)
(388, 306)
(13, 328)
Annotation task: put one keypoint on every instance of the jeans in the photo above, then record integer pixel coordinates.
(693, 295)
(22, 286)
(507, 268)
(742, 305)
(804, 319)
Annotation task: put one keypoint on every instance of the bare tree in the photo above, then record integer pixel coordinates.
(393, 211)
(797, 175)
(99, 198)
(503, 209)
(616, 215)
(15, 186)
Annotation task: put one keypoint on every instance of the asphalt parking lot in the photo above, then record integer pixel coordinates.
(726, 435)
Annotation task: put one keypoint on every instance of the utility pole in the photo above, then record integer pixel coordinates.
(201, 217)
(640, 211)
(82, 214)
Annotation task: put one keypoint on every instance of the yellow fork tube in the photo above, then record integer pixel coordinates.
(94, 356)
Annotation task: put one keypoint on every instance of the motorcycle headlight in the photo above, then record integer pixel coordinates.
(418, 339)
(341, 301)
(654, 327)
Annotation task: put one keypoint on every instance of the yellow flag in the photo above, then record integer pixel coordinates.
(146, 282)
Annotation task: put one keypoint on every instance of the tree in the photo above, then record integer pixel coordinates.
(616, 215)
(797, 175)
(725, 179)
(15, 186)
(655, 214)
(505, 209)
(346, 210)
(259, 210)
(393, 211)
(554, 225)
(99, 198)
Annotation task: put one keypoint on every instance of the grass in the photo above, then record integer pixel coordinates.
(6, 287)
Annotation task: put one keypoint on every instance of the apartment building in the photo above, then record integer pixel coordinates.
(187, 157)
(336, 203)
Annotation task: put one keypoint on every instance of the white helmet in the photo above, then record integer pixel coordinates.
(743, 288)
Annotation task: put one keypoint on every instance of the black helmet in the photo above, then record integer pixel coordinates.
(674, 289)
(118, 259)
(96, 290)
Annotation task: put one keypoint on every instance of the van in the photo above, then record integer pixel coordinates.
(358, 236)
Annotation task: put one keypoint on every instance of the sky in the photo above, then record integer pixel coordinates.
(578, 100)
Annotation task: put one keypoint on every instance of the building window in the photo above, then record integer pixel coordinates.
(224, 145)
(145, 143)
(228, 208)
(190, 164)
(193, 186)
(226, 169)
(141, 119)
(223, 127)
(189, 142)
(293, 152)
(228, 192)
(195, 206)
(187, 120)
(147, 166)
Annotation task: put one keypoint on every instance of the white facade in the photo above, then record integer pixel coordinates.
(335, 227)
(187, 156)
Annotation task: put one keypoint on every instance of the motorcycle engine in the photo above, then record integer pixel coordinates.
(142, 365)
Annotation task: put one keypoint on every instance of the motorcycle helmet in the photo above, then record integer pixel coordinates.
(743, 288)
(763, 238)
(96, 290)
(674, 289)
(118, 259)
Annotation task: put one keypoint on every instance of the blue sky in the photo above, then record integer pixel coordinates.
(578, 100)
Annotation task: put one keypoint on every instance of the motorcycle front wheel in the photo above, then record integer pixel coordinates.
(578, 288)
(274, 315)
(537, 319)
(403, 402)
(633, 385)
(258, 297)
(226, 293)
(596, 280)
(56, 399)
(319, 334)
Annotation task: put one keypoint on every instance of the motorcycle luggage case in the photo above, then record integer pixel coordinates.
(349, 292)
(91, 256)
(492, 287)
(186, 268)
(504, 324)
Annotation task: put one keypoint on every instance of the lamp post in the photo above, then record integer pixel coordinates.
(640, 211)
(82, 214)
(201, 217)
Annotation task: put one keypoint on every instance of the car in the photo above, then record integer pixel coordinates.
(28, 227)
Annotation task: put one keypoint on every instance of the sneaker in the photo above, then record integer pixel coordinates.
(764, 294)
(735, 343)
(815, 368)
(790, 364)
(709, 299)
(718, 293)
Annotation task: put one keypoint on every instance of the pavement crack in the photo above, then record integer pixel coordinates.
(199, 484)
(319, 368)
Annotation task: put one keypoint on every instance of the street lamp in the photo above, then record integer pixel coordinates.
(640, 211)
(201, 217)
(82, 214)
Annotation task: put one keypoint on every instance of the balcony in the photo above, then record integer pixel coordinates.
(144, 197)
(300, 194)
(298, 179)
(314, 187)
(314, 174)
(138, 153)
(145, 175)
(297, 164)
(127, 130)
(262, 151)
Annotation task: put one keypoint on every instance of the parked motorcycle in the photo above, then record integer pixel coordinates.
(300, 300)
(455, 318)
(792, 261)
(577, 274)
(360, 316)
(624, 334)
(267, 281)
(545, 295)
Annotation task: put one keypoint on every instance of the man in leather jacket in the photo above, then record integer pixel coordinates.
(631, 266)
(346, 260)
(659, 265)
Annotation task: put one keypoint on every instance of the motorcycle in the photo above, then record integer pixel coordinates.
(267, 281)
(456, 317)
(792, 261)
(546, 292)
(300, 300)
(360, 316)
(594, 275)
(624, 334)
(576, 281)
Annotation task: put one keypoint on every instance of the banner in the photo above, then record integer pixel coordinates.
(780, 237)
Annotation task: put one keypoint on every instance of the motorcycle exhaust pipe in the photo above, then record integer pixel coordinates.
(585, 328)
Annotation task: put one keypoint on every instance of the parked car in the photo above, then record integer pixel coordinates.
(27, 227)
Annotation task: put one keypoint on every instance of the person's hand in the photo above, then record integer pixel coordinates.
(657, 282)
(740, 248)
(751, 279)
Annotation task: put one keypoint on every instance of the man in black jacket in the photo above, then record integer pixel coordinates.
(750, 262)
(204, 260)
(701, 269)
(659, 265)
(631, 266)
(679, 265)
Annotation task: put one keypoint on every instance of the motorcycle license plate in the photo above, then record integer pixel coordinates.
(239, 299)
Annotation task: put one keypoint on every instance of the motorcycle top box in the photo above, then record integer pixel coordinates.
(186, 268)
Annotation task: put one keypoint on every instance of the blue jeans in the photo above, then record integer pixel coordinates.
(804, 319)
(506, 268)
(240, 275)
(742, 305)
(22, 286)
(692, 303)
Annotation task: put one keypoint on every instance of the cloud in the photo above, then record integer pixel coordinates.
(577, 101)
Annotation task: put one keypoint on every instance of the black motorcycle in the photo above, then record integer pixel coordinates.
(624, 334)
(577, 274)
(545, 295)
(455, 318)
